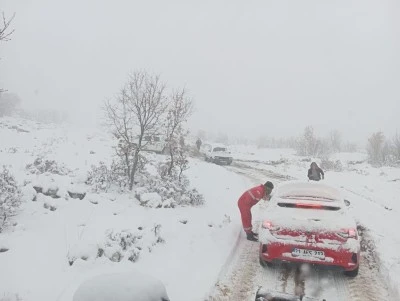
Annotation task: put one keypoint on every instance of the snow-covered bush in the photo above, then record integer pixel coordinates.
(127, 244)
(171, 189)
(102, 177)
(10, 197)
(331, 165)
(41, 165)
(99, 177)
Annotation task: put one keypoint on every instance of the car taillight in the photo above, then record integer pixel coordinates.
(268, 225)
(348, 233)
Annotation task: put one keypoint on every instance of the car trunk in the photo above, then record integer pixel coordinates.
(311, 222)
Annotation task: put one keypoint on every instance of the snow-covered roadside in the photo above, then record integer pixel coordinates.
(373, 193)
(50, 252)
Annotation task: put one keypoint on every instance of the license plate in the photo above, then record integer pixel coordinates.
(308, 253)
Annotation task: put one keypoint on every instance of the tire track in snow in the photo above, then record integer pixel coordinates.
(368, 285)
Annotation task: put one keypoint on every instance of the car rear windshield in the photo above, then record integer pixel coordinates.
(219, 149)
(308, 205)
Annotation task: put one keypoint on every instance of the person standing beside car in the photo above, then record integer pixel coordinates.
(315, 173)
(248, 200)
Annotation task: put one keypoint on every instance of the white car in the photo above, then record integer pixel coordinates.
(216, 153)
(126, 286)
(309, 223)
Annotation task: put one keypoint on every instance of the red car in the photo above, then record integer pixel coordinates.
(308, 222)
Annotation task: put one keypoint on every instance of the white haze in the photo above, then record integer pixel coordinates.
(253, 67)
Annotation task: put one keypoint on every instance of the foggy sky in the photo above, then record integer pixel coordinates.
(253, 67)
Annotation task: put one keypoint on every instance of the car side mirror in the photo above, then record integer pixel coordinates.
(347, 202)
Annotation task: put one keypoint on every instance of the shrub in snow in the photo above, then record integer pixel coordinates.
(150, 199)
(126, 286)
(125, 244)
(99, 177)
(331, 165)
(172, 191)
(102, 177)
(41, 165)
(10, 197)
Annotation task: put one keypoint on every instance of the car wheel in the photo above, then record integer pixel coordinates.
(264, 263)
(352, 273)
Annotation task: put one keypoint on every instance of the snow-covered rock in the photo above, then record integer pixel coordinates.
(151, 199)
(28, 193)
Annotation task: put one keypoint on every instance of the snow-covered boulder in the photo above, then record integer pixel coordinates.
(169, 203)
(77, 192)
(151, 199)
(28, 193)
(126, 286)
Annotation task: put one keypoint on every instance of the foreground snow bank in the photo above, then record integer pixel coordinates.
(122, 287)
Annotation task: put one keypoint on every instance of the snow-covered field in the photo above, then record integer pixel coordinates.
(54, 244)
(51, 252)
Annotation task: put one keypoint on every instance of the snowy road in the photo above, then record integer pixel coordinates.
(243, 275)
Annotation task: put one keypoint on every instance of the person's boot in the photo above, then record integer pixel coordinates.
(254, 234)
(251, 237)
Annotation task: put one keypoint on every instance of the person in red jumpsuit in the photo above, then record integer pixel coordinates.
(248, 200)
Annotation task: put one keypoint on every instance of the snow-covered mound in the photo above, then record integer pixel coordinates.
(127, 286)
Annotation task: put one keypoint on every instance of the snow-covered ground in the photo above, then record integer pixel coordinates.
(54, 244)
(51, 252)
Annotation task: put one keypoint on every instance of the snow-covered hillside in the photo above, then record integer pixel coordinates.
(54, 243)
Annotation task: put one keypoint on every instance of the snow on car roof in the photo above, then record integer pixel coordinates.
(308, 190)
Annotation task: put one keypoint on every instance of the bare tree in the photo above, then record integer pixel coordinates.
(335, 138)
(5, 32)
(136, 112)
(8, 103)
(180, 108)
(375, 148)
(396, 146)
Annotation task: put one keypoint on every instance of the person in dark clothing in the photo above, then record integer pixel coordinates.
(315, 173)
(198, 144)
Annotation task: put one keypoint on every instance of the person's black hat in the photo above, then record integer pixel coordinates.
(269, 185)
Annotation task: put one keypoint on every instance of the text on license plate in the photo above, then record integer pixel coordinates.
(310, 253)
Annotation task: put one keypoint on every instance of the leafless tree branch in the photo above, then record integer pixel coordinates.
(4, 35)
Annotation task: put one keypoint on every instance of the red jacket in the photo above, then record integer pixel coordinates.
(252, 196)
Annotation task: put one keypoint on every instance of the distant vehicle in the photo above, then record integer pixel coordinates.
(126, 286)
(153, 143)
(216, 153)
(308, 223)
